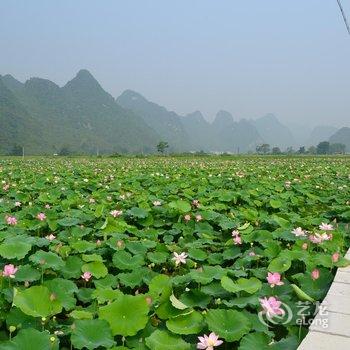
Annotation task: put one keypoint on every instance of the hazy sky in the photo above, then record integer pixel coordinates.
(250, 57)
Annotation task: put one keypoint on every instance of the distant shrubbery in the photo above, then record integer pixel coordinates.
(323, 147)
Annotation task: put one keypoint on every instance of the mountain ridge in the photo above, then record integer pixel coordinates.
(81, 116)
(44, 118)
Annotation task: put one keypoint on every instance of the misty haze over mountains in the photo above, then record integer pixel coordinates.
(43, 118)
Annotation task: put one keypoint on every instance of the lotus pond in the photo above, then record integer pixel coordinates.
(168, 253)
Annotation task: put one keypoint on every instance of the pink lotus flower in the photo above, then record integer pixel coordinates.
(319, 238)
(199, 218)
(86, 276)
(9, 271)
(237, 240)
(50, 237)
(195, 203)
(11, 220)
(335, 257)
(326, 227)
(6, 187)
(187, 217)
(315, 274)
(272, 306)
(209, 342)
(47, 206)
(326, 237)
(235, 233)
(287, 184)
(116, 213)
(41, 216)
(274, 279)
(298, 232)
(316, 238)
(180, 258)
(251, 254)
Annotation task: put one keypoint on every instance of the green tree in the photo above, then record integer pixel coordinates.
(312, 150)
(162, 146)
(263, 149)
(302, 150)
(276, 150)
(337, 148)
(16, 150)
(290, 150)
(65, 151)
(323, 147)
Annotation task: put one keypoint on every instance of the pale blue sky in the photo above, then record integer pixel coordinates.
(250, 57)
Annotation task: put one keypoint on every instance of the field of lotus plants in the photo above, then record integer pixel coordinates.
(168, 253)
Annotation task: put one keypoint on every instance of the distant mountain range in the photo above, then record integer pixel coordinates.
(43, 118)
(82, 117)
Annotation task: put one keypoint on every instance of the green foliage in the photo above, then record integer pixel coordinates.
(230, 324)
(251, 285)
(276, 150)
(323, 147)
(64, 151)
(342, 136)
(162, 146)
(126, 315)
(37, 301)
(263, 148)
(160, 340)
(191, 323)
(32, 339)
(14, 248)
(114, 281)
(91, 334)
(337, 148)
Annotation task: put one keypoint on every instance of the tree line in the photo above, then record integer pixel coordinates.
(323, 147)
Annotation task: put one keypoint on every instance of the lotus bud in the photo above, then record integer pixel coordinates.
(120, 244)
